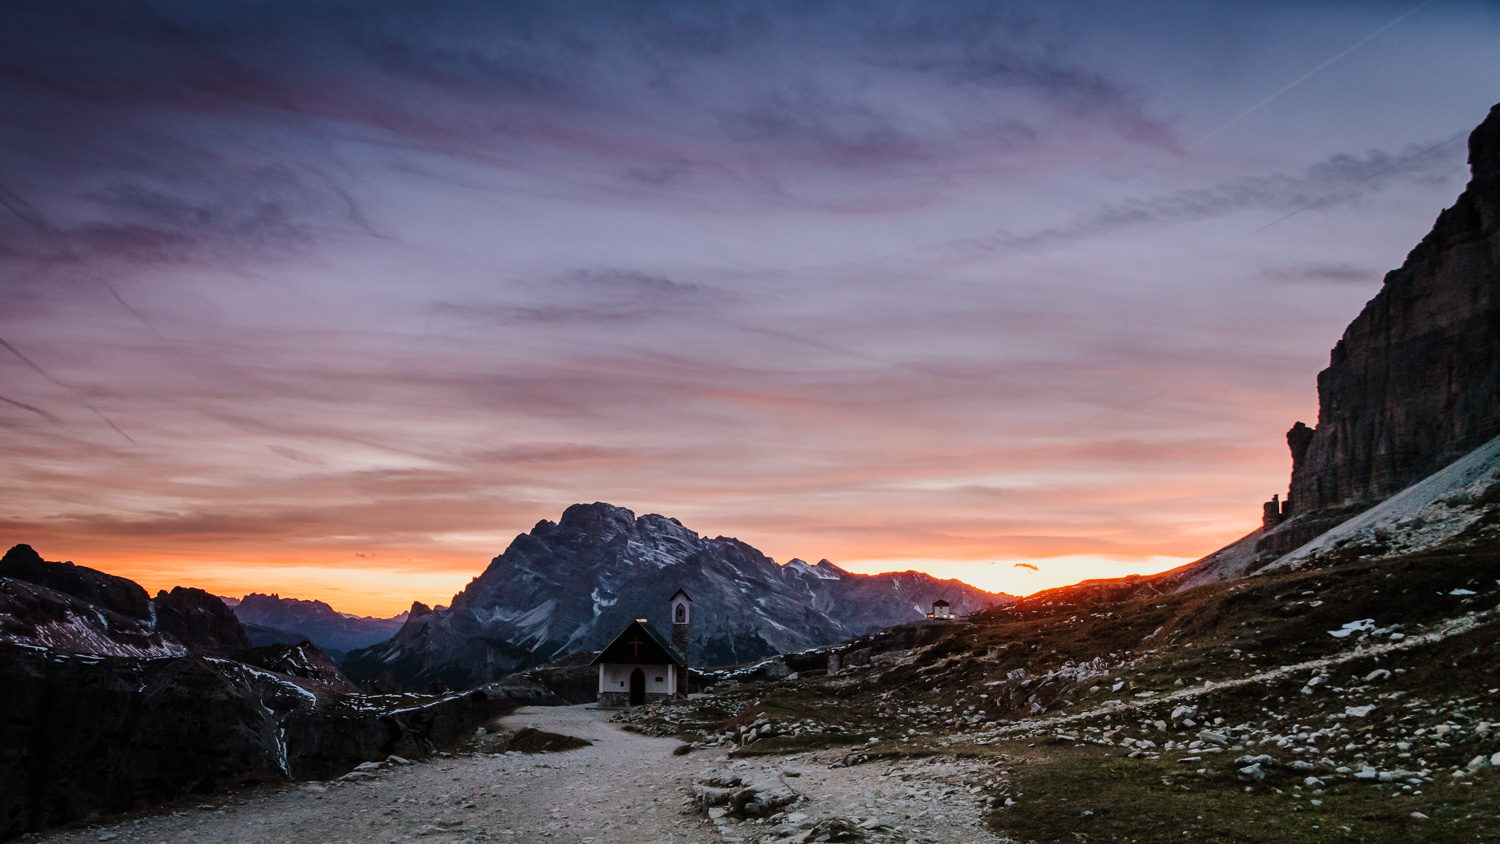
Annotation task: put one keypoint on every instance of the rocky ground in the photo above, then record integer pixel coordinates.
(1357, 702)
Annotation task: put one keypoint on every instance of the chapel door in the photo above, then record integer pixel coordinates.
(637, 687)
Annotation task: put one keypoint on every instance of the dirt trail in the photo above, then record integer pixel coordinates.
(626, 788)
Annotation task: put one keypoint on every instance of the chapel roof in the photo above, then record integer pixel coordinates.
(653, 650)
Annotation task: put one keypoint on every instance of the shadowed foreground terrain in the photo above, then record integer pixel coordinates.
(1360, 702)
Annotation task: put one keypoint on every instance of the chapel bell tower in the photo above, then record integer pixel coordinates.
(682, 635)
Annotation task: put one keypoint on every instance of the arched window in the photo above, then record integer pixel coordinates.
(682, 613)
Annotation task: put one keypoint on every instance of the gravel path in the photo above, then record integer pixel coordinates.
(625, 789)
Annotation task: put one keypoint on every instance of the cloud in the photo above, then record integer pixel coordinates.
(1321, 273)
(891, 99)
(1340, 180)
(592, 297)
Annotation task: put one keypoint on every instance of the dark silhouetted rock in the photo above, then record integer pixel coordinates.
(573, 585)
(106, 591)
(79, 610)
(199, 621)
(88, 736)
(82, 736)
(33, 614)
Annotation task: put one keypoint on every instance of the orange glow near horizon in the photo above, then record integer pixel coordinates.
(386, 583)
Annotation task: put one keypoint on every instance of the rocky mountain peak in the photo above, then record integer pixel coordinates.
(573, 585)
(598, 519)
(1484, 148)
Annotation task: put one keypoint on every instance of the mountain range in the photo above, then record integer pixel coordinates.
(572, 585)
(274, 620)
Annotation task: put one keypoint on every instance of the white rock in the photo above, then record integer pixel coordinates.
(1359, 711)
(1213, 736)
(1363, 625)
(1377, 674)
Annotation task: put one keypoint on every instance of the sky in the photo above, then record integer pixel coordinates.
(335, 298)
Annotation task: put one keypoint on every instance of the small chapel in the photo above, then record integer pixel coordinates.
(640, 666)
(941, 611)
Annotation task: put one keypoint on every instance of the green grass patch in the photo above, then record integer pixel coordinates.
(1082, 794)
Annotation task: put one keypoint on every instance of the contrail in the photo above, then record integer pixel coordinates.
(1391, 169)
(37, 410)
(1311, 73)
(42, 372)
(29, 362)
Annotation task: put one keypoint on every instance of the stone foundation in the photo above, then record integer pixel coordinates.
(621, 700)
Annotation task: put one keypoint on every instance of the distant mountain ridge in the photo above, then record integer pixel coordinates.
(272, 619)
(573, 585)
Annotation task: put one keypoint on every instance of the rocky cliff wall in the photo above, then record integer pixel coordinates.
(1415, 381)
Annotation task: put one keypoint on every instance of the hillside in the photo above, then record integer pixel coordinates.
(1355, 702)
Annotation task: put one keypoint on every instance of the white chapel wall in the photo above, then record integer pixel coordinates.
(615, 677)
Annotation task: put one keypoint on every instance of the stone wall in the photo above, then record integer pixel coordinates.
(621, 700)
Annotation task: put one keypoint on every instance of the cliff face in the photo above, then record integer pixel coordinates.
(1415, 381)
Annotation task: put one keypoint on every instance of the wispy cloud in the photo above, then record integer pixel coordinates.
(857, 280)
(1339, 180)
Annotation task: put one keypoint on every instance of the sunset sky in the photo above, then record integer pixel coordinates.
(334, 299)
